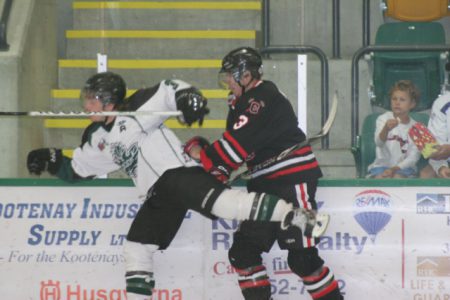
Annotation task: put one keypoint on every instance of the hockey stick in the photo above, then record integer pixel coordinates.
(247, 174)
(78, 114)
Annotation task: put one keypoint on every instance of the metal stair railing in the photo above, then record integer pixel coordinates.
(4, 25)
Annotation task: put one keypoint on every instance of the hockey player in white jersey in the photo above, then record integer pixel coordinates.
(153, 157)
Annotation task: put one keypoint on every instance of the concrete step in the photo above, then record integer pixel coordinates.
(185, 15)
(138, 73)
(60, 95)
(163, 44)
(336, 163)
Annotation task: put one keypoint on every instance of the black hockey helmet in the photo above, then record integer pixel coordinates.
(108, 87)
(192, 104)
(240, 60)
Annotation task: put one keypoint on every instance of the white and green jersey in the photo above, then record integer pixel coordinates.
(142, 146)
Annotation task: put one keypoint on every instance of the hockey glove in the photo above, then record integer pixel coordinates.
(192, 104)
(45, 159)
(221, 173)
(194, 142)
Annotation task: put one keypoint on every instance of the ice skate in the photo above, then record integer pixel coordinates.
(311, 223)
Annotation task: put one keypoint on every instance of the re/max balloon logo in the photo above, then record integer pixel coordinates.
(372, 211)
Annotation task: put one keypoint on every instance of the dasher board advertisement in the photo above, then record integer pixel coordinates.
(65, 242)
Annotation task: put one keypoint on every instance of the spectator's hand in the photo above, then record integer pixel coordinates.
(441, 152)
(444, 172)
(45, 159)
(391, 123)
(388, 173)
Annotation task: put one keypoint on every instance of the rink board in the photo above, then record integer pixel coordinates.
(386, 240)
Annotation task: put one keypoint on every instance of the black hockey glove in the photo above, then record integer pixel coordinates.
(45, 159)
(221, 173)
(193, 106)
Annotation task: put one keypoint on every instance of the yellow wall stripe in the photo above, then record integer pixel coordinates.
(162, 34)
(66, 123)
(67, 93)
(207, 124)
(75, 94)
(83, 123)
(143, 63)
(219, 5)
(215, 94)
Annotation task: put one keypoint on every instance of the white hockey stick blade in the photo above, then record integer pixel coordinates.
(247, 174)
(331, 117)
(78, 114)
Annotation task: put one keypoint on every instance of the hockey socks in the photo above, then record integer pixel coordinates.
(139, 270)
(254, 283)
(322, 286)
(240, 205)
(140, 284)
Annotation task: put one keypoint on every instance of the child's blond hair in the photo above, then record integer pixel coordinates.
(406, 86)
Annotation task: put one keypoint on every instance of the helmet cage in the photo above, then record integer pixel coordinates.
(103, 96)
(240, 60)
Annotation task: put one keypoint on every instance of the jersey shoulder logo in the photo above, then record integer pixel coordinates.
(122, 125)
(255, 106)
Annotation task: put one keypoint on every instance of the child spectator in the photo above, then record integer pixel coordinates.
(439, 126)
(396, 154)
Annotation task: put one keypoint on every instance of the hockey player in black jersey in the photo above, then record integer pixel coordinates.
(260, 125)
(154, 158)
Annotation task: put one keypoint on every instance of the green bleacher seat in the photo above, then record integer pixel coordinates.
(425, 69)
(364, 150)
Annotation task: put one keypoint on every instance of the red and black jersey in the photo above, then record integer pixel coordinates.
(260, 125)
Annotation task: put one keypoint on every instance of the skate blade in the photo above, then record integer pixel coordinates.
(322, 221)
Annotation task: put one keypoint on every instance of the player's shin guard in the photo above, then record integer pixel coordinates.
(240, 205)
(254, 283)
(139, 267)
(322, 286)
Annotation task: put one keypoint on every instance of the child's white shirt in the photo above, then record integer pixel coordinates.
(398, 149)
